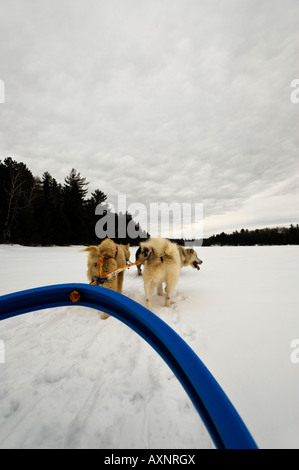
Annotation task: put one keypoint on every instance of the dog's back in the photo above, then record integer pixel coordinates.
(159, 249)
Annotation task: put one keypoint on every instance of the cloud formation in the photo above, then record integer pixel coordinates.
(162, 101)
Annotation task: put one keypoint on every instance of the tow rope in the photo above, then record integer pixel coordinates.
(102, 277)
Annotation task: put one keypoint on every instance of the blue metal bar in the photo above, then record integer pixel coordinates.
(224, 424)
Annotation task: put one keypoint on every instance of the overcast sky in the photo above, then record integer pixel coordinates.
(159, 100)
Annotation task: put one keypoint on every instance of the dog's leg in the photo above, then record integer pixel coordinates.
(160, 289)
(120, 280)
(170, 285)
(111, 284)
(167, 299)
(139, 270)
(148, 288)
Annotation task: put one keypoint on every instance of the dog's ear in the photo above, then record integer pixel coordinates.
(128, 245)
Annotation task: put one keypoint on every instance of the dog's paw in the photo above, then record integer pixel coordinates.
(148, 305)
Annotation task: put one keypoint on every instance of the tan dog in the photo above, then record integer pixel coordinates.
(162, 263)
(114, 256)
(126, 250)
(189, 257)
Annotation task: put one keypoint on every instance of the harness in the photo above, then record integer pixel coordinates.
(111, 257)
(102, 278)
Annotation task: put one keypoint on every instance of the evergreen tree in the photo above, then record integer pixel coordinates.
(265, 236)
(98, 197)
(75, 187)
(42, 211)
(50, 212)
(74, 191)
(18, 192)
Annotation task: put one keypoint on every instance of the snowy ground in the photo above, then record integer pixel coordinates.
(72, 380)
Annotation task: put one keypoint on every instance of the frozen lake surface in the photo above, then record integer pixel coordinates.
(72, 380)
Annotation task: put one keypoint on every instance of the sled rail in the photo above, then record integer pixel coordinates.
(221, 419)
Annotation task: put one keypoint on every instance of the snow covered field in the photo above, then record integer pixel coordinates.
(72, 380)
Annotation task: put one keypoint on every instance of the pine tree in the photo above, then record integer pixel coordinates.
(75, 190)
(75, 187)
(18, 195)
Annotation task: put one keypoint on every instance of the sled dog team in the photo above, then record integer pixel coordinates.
(162, 261)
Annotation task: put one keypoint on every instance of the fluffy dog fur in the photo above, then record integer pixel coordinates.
(114, 256)
(126, 250)
(189, 257)
(162, 263)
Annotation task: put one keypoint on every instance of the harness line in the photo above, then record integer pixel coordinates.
(102, 277)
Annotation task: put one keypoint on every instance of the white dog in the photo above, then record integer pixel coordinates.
(162, 263)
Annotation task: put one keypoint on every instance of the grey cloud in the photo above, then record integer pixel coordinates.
(173, 101)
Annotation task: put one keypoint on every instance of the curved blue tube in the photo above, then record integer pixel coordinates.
(224, 424)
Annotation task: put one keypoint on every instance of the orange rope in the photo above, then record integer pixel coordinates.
(109, 273)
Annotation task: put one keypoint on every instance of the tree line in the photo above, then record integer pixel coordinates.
(265, 236)
(41, 211)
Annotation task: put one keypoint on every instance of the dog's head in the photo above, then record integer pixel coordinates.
(194, 259)
(145, 252)
(191, 258)
(107, 250)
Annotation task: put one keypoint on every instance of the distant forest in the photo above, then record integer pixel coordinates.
(41, 211)
(265, 236)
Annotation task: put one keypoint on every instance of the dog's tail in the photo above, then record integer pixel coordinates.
(160, 247)
(168, 249)
(93, 249)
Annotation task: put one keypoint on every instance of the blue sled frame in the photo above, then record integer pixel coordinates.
(221, 419)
